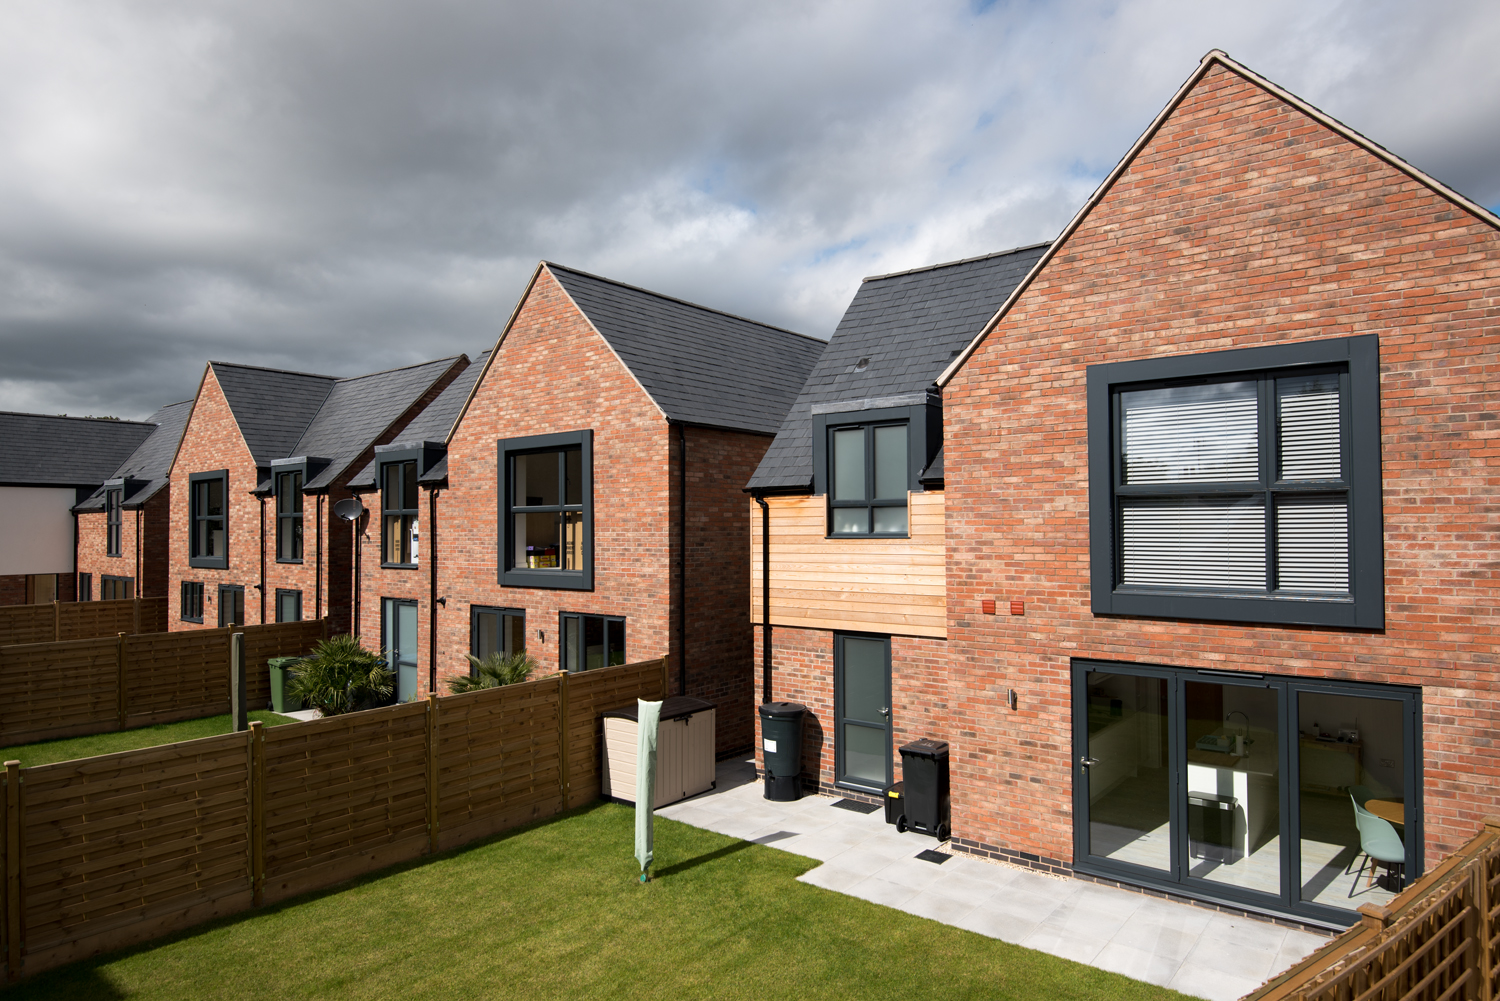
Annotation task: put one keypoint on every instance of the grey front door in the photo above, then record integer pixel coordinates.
(399, 619)
(862, 707)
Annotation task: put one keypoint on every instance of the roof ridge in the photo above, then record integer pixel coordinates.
(267, 368)
(398, 368)
(683, 302)
(70, 417)
(950, 264)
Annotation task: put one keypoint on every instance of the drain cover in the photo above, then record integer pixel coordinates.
(929, 855)
(856, 805)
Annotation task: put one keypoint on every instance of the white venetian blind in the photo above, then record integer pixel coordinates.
(1309, 415)
(1193, 543)
(1191, 434)
(1312, 544)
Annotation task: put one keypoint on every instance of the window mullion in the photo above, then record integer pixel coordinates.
(1270, 457)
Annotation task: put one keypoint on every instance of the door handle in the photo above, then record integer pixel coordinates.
(886, 711)
(1085, 761)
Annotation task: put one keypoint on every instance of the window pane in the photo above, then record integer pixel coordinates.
(296, 493)
(864, 753)
(572, 529)
(890, 519)
(536, 541)
(515, 634)
(1191, 434)
(890, 461)
(408, 485)
(390, 499)
(1312, 544)
(617, 642)
(486, 634)
(851, 519)
(1231, 734)
(215, 497)
(1193, 543)
(593, 642)
(536, 479)
(572, 643)
(575, 476)
(849, 464)
(395, 539)
(864, 680)
(1308, 407)
(1129, 785)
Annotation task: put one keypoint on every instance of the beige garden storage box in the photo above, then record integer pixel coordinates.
(684, 751)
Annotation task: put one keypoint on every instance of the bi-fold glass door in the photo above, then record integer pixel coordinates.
(1284, 793)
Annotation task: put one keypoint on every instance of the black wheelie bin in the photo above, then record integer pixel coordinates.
(924, 775)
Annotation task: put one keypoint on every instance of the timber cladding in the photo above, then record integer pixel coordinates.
(76, 687)
(76, 620)
(107, 852)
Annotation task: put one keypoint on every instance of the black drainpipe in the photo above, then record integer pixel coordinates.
(262, 586)
(357, 535)
(765, 598)
(318, 566)
(682, 559)
(432, 595)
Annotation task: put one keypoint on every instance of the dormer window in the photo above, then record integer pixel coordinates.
(868, 471)
(398, 508)
(289, 517)
(112, 512)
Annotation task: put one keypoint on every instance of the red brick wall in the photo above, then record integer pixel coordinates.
(143, 546)
(210, 442)
(1242, 223)
(13, 589)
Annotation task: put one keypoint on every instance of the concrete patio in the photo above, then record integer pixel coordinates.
(1189, 949)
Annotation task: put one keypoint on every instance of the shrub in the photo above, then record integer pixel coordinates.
(340, 676)
(493, 671)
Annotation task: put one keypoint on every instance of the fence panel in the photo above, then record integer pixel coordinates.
(80, 620)
(58, 689)
(592, 693)
(125, 847)
(343, 796)
(27, 624)
(176, 674)
(498, 759)
(275, 639)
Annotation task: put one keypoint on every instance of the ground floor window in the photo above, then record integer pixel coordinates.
(288, 606)
(192, 601)
(398, 632)
(1292, 794)
(116, 588)
(85, 587)
(590, 641)
(231, 604)
(496, 630)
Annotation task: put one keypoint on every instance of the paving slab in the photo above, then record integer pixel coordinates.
(1190, 949)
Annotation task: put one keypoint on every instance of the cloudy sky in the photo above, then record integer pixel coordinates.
(341, 187)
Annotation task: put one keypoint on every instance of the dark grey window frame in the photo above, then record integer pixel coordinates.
(187, 587)
(924, 436)
(838, 712)
(396, 458)
(286, 521)
(114, 520)
(283, 592)
(562, 635)
(219, 609)
(512, 576)
(116, 579)
(210, 562)
(478, 611)
(1365, 607)
(85, 587)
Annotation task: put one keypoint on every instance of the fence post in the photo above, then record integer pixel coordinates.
(122, 702)
(562, 738)
(237, 708)
(666, 676)
(432, 771)
(257, 812)
(56, 620)
(1484, 938)
(13, 910)
(135, 616)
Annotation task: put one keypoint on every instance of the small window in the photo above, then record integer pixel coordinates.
(868, 469)
(546, 517)
(288, 606)
(112, 502)
(208, 517)
(289, 517)
(231, 605)
(113, 588)
(398, 503)
(192, 601)
(496, 630)
(591, 641)
(85, 587)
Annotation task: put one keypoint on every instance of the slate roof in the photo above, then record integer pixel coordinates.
(701, 366)
(909, 325)
(40, 450)
(152, 459)
(434, 423)
(272, 407)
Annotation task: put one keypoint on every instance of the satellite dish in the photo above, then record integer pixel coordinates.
(349, 508)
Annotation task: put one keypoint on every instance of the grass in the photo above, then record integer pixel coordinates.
(555, 911)
(45, 752)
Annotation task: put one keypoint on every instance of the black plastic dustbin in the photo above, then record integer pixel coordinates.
(781, 743)
(893, 802)
(924, 774)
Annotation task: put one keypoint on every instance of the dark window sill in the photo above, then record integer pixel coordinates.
(288, 561)
(1334, 612)
(209, 562)
(396, 566)
(865, 535)
(565, 580)
(114, 556)
(186, 619)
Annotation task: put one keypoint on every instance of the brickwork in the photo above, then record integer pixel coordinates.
(143, 545)
(1241, 223)
(13, 589)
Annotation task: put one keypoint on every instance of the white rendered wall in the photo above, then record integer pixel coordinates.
(36, 529)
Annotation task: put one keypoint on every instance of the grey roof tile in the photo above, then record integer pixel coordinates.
(43, 450)
(151, 461)
(909, 325)
(272, 407)
(434, 423)
(701, 366)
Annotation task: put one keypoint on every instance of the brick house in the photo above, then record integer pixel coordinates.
(1230, 446)
(850, 496)
(48, 464)
(123, 527)
(265, 456)
(592, 510)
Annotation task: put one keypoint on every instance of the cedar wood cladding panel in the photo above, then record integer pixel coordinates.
(869, 585)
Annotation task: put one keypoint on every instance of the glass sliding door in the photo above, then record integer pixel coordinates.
(1129, 774)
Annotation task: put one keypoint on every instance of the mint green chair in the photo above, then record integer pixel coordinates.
(1381, 845)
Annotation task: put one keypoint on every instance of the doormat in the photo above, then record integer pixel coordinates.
(856, 806)
(928, 855)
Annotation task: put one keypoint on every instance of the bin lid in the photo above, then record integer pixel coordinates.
(925, 748)
(782, 709)
(282, 661)
(675, 707)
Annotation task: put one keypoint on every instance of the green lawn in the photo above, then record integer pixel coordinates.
(555, 911)
(47, 751)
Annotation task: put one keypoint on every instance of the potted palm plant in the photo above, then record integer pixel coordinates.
(340, 676)
(493, 671)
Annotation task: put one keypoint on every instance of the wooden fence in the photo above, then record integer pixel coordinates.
(81, 620)
(106, 852)
(83, 686)
(1435, 941)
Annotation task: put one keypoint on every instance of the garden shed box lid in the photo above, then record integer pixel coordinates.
(676, 707)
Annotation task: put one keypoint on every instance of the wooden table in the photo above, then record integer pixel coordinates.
(1392, 810)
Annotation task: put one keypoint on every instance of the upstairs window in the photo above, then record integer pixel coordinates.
(1242, 494)
(289, 517)
(112, 519)
(208, 519)
(546, 530)
(398, 504)
(868, 472)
